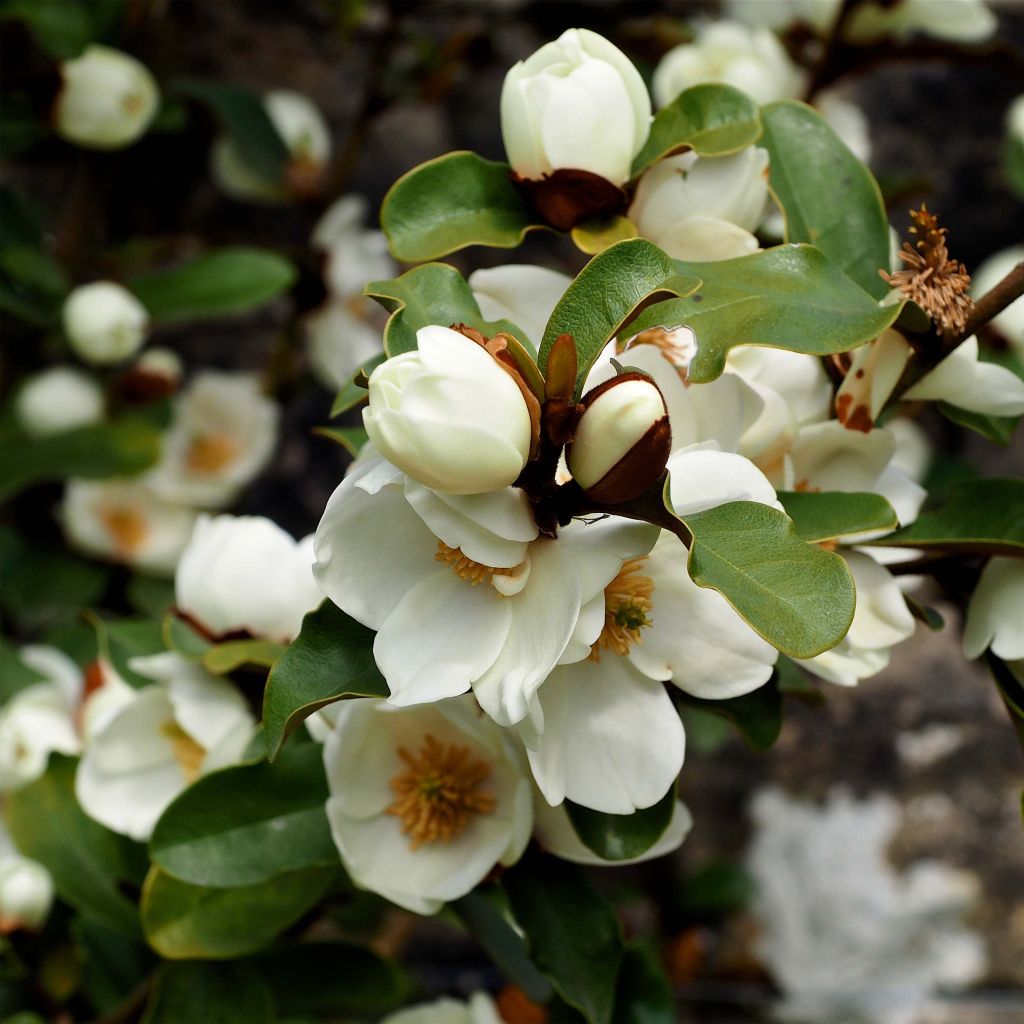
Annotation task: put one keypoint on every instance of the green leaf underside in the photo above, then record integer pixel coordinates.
(120, 640)
(435, 293)
(86, 860)
(352, 394)
(644, 994)
(998, 429)
(622, 836)
(712, 119)
(220, 282)
(223, 658)
(330, 659)
(351, 439)
(985, 516)
(247, 824)
(572, 933)
(190, 922)
(180, 637)
(829, 198)
(454, 201)
(826, 515)
(797, 596)
(791, 297)
(606, 293)
(215, 993)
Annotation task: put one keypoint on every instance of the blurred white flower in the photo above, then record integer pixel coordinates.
(244, 573)
(424, 801)
(522, 294)
(26, 888)
(960, 21)
(577, 103)
(58, 399)
(355, 254)
(479, 1010)
(995, 615)
(104, 322)
(222, 436)
(107, 99)
(1009, 323)
(341, 339)
(780, 14)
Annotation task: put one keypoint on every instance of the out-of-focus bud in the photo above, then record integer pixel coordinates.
(622, 441)
(577, 110)
(451, 414)
(26, 893)
(107, 99)
(104, 322)
(960, 21)
(154, 375)
(59, 399)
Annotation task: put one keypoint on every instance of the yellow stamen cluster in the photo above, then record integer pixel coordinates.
(210, 453)
(676, 344)
(627, 606)
(437, 794)
(127, 527)
(465, 568)
(187, 752)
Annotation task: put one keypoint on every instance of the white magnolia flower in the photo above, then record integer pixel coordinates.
(142, 754)
(58, 399)
(107, 99)
(424, 801)
(847, 120)
(750, 59)
(26, 888)
(522, 294)
(703, 208)
(124, 521)
(449, 415)
(223, 434)
(779, 14)
(305, 135)
(479, 1010)
(576, 103)
(341, 337)
(246, 573)
(1009, 323)
(39, 719)
(961, 21)
(995, 616)
(354, 253)
(104, 322)
(964, 380)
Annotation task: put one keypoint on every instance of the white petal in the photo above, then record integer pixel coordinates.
(702, 478)
(995, 616)
(525, 295)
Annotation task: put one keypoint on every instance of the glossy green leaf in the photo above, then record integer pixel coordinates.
(120, 640)
(572, 933)
(622, 836)
(220, 282)
(593, 237)
(435, 293)
(191, 922)
(246, 824)
(351, 439)
(644, 994)
(213, 993)
(797, 596)
(790, 297)
(62, 28)
(825, 515)
(112, 965)
(354, 392)
(829, 198)
(453, 201)
(982, 516)
(122, 447)
(220, 659)
(605, 295)
(34, 268)
(15, 675)
(88, 862)
(998, 429)
(330, 659)
(712, 119)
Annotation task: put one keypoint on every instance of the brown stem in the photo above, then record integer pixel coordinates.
(831, 55)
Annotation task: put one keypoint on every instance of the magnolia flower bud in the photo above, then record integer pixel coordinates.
(577, 103)
(104, 322)
(450, 415)
(107, 100)
(59, 399)
(622, 441)
(26, 893)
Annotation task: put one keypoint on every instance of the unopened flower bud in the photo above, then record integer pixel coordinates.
(104, 322)
(450, 415)
(26, 893)
(57, 400)
(107, 100)
(154, 375)
(622, 441)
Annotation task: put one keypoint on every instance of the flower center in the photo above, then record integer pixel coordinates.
(627, 606)
(187, 752)
(465, 568)
(437, 794)
(209, 453)
(127, 527)
(677, 344)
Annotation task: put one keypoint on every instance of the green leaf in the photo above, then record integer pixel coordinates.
(453, 201)
(982, 516)
(179, 636)
(122, 447)
(487, 918)
(715, 889)
(622, 836)
(223, 281)
(120, 640)
(757, 716)
(150, 596)
(825, 515)
(712, 119)
(247, 824)
(87, 861)
(998, 429)
(797, 596)
(61, 28)
(605, 295)
(644, 994)
(191, 922)
(221, 659)
(34, 268)
(435, 293)
(829, 198)
(245, 118)
(792, 297)
(572, 933)
(593, 237)
(330, 659)
(214, 993)
(1011, 689)
(354, 392)
(15, 675)
(112, 964)
(351, 439)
